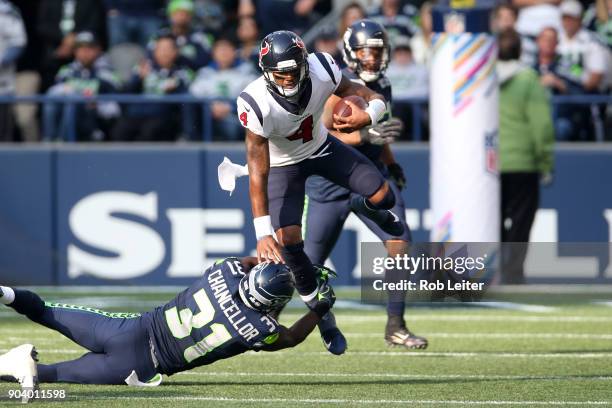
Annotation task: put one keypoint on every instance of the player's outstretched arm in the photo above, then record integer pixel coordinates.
(258, 160)
(291, 337)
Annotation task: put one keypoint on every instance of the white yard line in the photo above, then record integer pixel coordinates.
(476, 335)
(467, 317)
(460, 354)
(28, 335)
(391, 375)
(43, 350)
(524, 307)
(350, 401)
(416, 354)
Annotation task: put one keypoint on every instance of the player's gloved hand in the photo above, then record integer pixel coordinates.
(323, 301)
(324, 274)
(382, 133)
(397, 175)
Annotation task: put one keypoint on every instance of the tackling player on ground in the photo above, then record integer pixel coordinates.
(287, 142)
(224, 313)
(366, 53)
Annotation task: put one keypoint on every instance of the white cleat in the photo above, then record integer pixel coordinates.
(20, 363)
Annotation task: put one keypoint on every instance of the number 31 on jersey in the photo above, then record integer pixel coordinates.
(182, 323)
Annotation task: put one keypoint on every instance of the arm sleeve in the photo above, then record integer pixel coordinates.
(272, 334)
(250, 115)
(540, 122)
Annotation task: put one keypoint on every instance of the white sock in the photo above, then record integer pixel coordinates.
(8, 295)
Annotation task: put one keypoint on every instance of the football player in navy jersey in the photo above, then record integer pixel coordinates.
(366, 53)
(224, 313)
(287, 142)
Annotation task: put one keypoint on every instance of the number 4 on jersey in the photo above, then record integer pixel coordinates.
(243, 118)
(304, 132)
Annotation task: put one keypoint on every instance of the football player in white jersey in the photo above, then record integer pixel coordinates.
(287, 142)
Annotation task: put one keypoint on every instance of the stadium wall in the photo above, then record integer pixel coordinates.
(154, 214)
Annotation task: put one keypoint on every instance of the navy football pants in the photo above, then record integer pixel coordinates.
(339, 163)
(323, 224)
(118, 342)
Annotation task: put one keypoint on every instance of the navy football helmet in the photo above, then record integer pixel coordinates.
(371, 37)
(284, 51)
(267, 286)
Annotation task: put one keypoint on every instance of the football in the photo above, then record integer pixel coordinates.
(343, 109)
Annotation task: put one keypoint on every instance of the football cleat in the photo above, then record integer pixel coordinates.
(385, 219)
(20, 363)
(333, 339)
(323, 301)
(397, 334)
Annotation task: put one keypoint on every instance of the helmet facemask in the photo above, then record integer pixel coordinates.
(366, 49)
(284, 53)
(266, 293)
(289, 66)
(371, 62)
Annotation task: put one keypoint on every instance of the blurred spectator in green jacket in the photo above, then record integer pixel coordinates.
(526, 139)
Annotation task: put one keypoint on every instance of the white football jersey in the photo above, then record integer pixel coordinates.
(293, 137)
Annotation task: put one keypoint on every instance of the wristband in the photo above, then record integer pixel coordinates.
(376, 109)
(263, 226)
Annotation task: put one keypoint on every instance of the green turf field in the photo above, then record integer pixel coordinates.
(560, 354)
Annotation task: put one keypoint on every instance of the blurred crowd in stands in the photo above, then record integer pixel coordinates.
(209, 49)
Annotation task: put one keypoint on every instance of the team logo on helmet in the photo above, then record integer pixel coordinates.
(298, 41)
(265, 49)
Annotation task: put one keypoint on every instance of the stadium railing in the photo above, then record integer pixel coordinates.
(417, 106)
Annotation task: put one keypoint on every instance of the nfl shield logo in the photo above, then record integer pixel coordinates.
(491, 141)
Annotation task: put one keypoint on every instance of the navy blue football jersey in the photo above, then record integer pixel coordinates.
(321, 189)
(208, 322)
